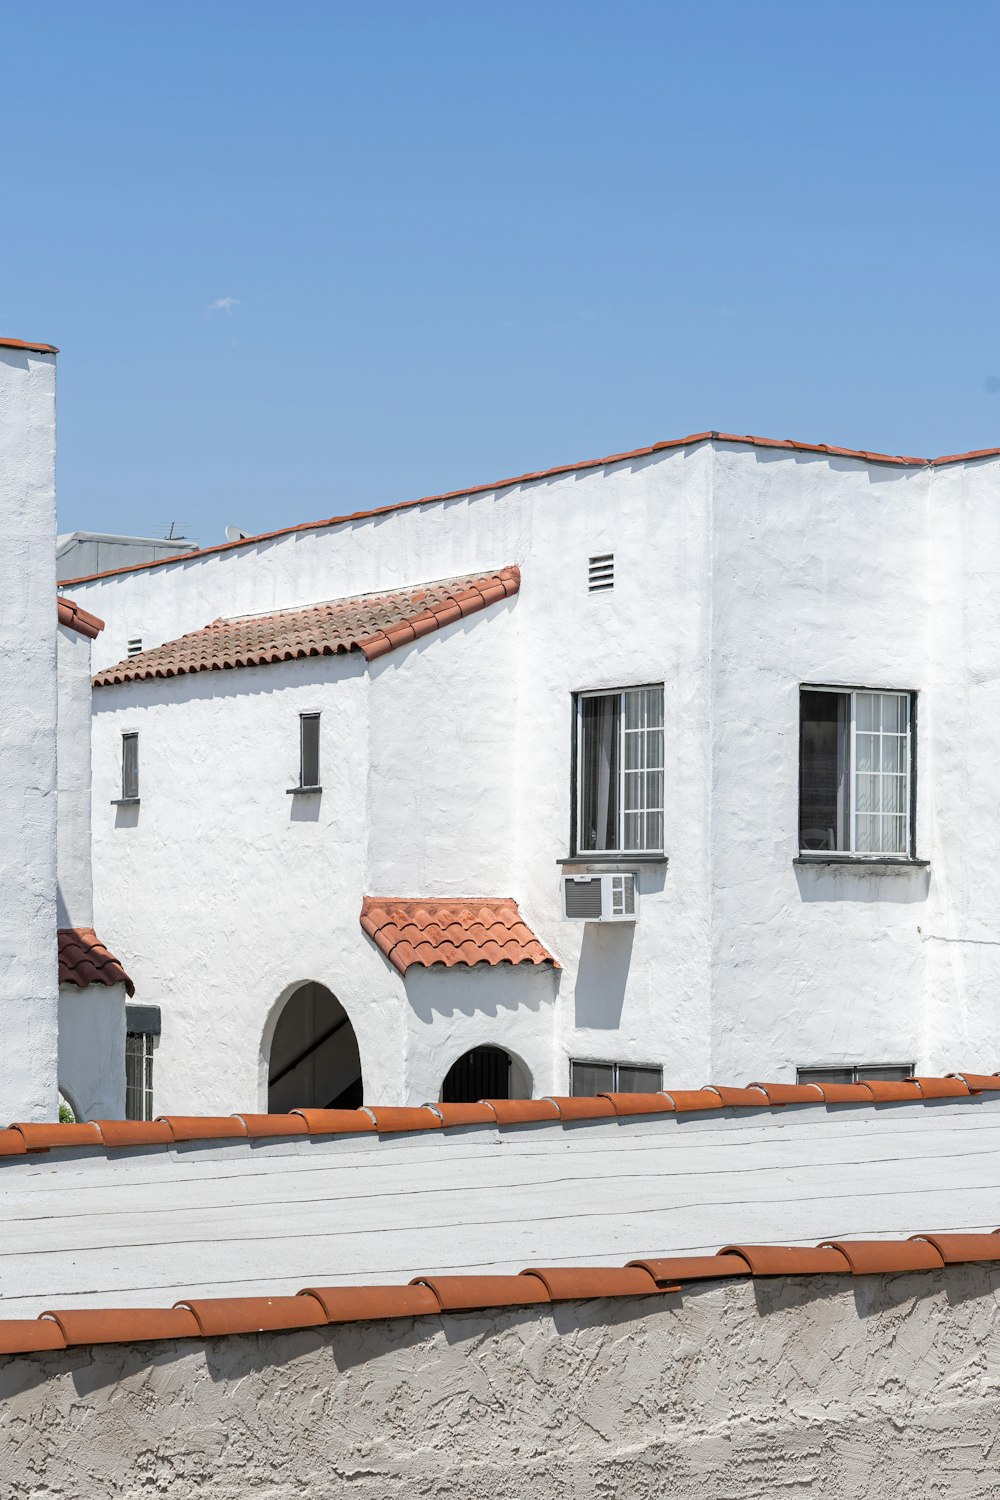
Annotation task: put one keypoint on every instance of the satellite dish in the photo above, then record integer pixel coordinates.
(234, 534)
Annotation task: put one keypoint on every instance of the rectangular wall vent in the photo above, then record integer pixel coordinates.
(601, 573)
(134, 645)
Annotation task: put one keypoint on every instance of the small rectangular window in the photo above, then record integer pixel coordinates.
(590, 1078)
(308, 749)
(855, 771)
(138, 1075)
(887, 1072)
(620, 772)
(601, 572)
(130, 767)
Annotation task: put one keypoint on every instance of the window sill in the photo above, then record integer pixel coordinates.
(877, 864)
(302, 791)
(614, 859)
(125, 802)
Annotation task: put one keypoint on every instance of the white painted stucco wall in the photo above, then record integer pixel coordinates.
(28, 964)
(740, 574)
(92, 1050)
(75, 877)
(853, 1389)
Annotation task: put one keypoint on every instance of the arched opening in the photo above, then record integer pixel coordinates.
(314, 1061)
(485, 1073)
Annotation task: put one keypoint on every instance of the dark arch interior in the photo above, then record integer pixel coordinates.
(314, 1061)
(483, 1073)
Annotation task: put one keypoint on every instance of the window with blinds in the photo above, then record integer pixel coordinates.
(855, 771)
(620, 771)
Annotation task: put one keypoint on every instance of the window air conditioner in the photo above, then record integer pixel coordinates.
(600, 898)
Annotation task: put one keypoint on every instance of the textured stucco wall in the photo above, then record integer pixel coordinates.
(740, 574)
(76, 886)
(828, 1386)
(92, 1050)
(28, 973)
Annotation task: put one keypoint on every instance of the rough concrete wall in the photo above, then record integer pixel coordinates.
(92, 1050)
(828, 1386)
(28, 974)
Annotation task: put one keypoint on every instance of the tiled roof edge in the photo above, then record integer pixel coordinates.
(21, 1138)
(430, 1295)
(68, 612)
(479, 592)
(84, 960)
(32, 348)
(827, 450)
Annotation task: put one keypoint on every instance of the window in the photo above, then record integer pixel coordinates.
(589, 1078)
(483, 1073)
(619, 783)
(855, 771)
(308, 750)
(601, 573)
(138, 1075)
(130, 767)
(888, 1072)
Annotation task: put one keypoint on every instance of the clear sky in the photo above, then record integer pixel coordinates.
(304, 257)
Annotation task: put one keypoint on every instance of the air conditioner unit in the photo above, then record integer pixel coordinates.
(600, 898)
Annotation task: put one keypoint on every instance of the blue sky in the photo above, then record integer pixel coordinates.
(462, 241)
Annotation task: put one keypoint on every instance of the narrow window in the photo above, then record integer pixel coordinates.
(601, 572)
(590, 1078)
(620, 771)
(887, 1072)
(130, 767)
(855, 771)
(308, 750)
(138, 1075)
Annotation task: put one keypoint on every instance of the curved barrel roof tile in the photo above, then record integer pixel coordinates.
(451, 930)
(83, 960)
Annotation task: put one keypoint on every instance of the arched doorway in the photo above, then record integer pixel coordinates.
(314, 1061)
(485, 1073)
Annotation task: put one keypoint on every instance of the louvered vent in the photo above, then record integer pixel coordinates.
(134, 645)
(583, 898)
(601, 572)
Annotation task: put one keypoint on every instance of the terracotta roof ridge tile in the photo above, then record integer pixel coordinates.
(23, 1138)
(791, 445)
(69, 613)
(84, 959)
(451, 931)
(430, 1295)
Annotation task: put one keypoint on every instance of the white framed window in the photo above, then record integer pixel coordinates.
(589, 1078)
(619, 771)
(855, 771)
(130, 767)
(308, 750)
(138, 1075)
(858, 1073)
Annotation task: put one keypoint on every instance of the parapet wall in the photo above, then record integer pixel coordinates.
(869, 1386)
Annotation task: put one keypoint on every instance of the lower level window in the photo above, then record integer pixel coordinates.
(855, 771)
(887, 1072)
(138, 1075)
(590, 1078)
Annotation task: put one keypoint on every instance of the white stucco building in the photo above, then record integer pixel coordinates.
(62, 994)
(762, 676)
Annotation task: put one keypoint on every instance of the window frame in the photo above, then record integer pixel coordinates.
(852, 853)
(147, 1053)
(309, 786)
(130, 735)
(882, 1071)
(615, 1066)
(576, 774)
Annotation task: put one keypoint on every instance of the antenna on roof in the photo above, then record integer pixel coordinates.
(234, 534)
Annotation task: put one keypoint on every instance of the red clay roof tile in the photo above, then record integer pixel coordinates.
(83, 960)
(583, 1106)
(262, 1126)
(125, 1325)
(752, 1098)
(12, 1143)
(789, 1260)
(31, 348)
(789, 1093)
(669, 1268)
(877, 1257)
(523, 1111)
(204, 1127)
(391, 1119)
(118, 1133)
(640, 1104)
(224, 1315)
(336, 1121)
(891, 1090)
(942, 1088)
(355, 1304)
(957, 1248)
(456, 1293)
(370, 623)
(69, 613)
(26, 1335)
(845, 1093)
(482, 1113)
(686, 1101)
(40, 1137)
(979, 1083)
(569, 1283)
(451, 930)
